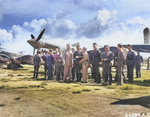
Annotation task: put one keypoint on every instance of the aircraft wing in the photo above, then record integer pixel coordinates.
(50, 46)
(141, 48)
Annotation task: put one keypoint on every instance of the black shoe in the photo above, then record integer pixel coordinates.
(77, 81)
(136, 77)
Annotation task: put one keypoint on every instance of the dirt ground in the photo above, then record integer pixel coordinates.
(22, 96)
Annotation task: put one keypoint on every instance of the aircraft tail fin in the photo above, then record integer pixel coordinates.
(146, 33)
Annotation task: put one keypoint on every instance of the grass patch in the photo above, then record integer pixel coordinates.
(126, 87)
(77, 90)
(22, 87)
(5, 80)
(44, 83)
(76, 85)
(146, 81)
(112, 87)
(32, 86)
(17, 98)
(97, 89)
(20, 75)
(2, 105)
(4, 86)
(86, 89)
(89, 76)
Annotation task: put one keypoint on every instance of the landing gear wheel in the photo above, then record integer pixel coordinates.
(9, 66)
(13, 66)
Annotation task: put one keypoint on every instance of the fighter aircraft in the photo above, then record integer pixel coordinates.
(36, 43)
(13, 60)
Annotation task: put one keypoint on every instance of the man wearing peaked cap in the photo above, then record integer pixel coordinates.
(95, 58)
(107, 58)
(77, 57)
(68, 63)
(130, 62)
(119, 65)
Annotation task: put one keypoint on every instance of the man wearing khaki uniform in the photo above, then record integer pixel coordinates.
(68, 60)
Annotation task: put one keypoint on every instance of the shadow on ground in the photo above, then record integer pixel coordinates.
(145, 83)
(142, 101)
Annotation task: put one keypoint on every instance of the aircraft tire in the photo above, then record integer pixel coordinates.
(13, 66)
(8, 66)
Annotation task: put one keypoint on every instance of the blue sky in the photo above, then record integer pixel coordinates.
(69, 21)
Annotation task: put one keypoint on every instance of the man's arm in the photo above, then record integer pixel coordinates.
(99, 55)
(111, 57)
(133, 54)
(123, 58)
(141, 59)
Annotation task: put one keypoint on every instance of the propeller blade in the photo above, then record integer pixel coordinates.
(40, 35)
(33, 51)
(32, 36)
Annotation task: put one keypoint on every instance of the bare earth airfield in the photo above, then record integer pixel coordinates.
(22, 96)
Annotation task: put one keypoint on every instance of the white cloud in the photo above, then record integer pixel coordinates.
(102, 29)
(5, 36)
(140, 21)
(106, 17)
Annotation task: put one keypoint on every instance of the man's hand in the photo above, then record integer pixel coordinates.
(77, 57)
(103, 59)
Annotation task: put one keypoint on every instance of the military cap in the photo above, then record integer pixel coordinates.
(38, 51)
(129, 45)
(119, 45)
(106, 46)
(68, 44)
(50, 50)
(78, 45)
(84, 48)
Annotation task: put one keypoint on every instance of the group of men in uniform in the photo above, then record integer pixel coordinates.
(70, 63)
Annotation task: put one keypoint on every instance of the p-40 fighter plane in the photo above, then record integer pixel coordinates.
(13, 60)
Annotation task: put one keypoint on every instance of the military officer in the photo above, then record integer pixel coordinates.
(120, 62)
(138, 61)
(50, 63)
(36, 61)
(130, 62)
(55, 56)
(95, 58)
(107, 58)
(59, 66)
(77, 57)
(68, 63)
(45, 62)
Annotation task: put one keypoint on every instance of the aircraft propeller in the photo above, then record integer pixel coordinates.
(40, 35)
(32, 36)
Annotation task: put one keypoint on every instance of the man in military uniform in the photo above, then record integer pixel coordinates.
(55, 56)
(59, 66)
(45, 62)
(120, 62)
(130, 62)
(50, 63)
(68, 63)
(138, 61)
(77, 57)
(95, 58)
(107, 58)
(36, 61)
